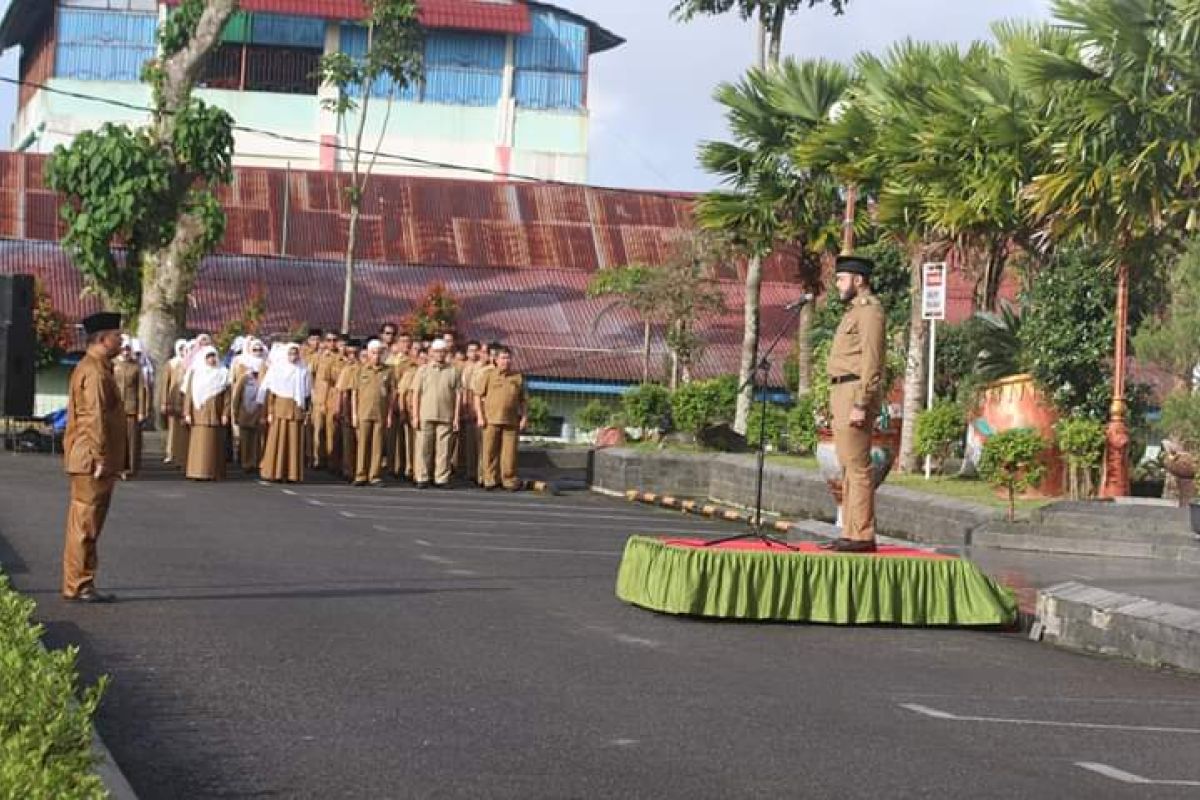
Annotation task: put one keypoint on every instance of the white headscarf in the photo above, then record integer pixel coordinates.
(247, 359)
(207, 382)
(181, 346)
(195, 347)
(284, 378)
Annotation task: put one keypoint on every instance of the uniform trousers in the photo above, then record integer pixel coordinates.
(333, 440)
(250, 447)
(399, 449)
(90, 499)
(500, 456)
(320, 450)
(469, 440)
(853, 448)
(435, 441)
(369, 465)
(177, 439)
(349, 450)
(133, 445)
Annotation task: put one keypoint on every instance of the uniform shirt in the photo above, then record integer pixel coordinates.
(858, 349)
(95, 419)
(172, 390)
(438, 386)
(503, 395)
(345, 383)
(480, 375)
(373, 393)
(323, 367)
(131, 385)
(212, 412)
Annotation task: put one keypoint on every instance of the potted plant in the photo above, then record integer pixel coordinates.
(1012, 462)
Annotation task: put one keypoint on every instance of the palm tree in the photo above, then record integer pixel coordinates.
(1123, 136)
(768, 201)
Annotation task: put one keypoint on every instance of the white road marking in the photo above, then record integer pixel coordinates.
(1096, 726)
(1128, 777)
(462, 573)
(348, 515)
(625, 638)
(648, 528)
(312, 502)
(435, 559)
(1138, 701)
(288, 492)
(530, 513)
(625, 742)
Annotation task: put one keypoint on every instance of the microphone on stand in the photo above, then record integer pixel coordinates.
(804, 300)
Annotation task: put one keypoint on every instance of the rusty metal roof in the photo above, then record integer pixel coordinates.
(415, 220)
(545, 314)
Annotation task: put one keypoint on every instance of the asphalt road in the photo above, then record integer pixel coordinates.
(330, 642)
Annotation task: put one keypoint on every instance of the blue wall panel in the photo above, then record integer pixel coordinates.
(460, 69)
(354, 44)
(103, 45)
(278, 29)
(554, 44)
(548, 90)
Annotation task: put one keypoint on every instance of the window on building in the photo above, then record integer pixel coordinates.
(96, 44)
(267, 53)
(551, 62)
(462, 69)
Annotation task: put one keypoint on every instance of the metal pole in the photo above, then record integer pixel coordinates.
(932, 369)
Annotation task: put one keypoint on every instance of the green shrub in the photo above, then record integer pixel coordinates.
(1081, 441)
(595, 415)
(647, 407)
(802, 426)
(777, 423)
(45, 737)
(699, 404)
(538, 412)
(1181, 419)
(939, 429)
(1010, 462)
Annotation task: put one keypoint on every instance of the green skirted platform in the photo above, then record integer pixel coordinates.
(753, 581)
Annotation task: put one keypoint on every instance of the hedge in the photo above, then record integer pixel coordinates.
(45, 730)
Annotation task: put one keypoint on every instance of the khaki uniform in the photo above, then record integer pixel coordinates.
(478, 378)
(135, 401)
(323, 438)
(249, 422)
(172, 400)
(502, 395)
(437, 398)
(856, 369)
(399, 442)
(95, 434)
(470, 436)
(284, 453)
(206, 447)
(343, 390)
(373, 399)
(404, 396)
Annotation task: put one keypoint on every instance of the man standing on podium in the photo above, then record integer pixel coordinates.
(855, 370)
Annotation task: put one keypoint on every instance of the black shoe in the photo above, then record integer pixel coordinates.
(832, 544)
(441, 486)
(422, 485)
(90, 596)
(360, 483)
(853, 546)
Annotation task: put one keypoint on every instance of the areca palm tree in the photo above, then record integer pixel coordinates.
(1123, 137)
(768, 201)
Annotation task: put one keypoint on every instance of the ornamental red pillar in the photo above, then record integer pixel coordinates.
(1116, 452)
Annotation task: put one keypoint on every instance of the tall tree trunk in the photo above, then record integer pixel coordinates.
(752, 318)
(915, 365)
(645, 352)
(804, 351)
(168, 274)
(988, 294)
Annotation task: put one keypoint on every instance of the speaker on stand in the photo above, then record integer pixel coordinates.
(17, 346)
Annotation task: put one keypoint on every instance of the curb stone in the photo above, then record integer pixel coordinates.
(1095, 620)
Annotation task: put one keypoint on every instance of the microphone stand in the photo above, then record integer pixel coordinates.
(760, 378)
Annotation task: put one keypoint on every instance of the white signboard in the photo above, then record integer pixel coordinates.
(933, 296)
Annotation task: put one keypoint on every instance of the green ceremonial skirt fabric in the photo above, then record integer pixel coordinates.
(810, 587)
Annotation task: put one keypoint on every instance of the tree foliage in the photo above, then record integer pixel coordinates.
(1011, 461)
(434, 315)
(700, 404)
(1172, 338)
(52, 332)
(939, 430)
(1081, 441)
(647, 407)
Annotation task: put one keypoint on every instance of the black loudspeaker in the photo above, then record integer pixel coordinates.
(17, 346)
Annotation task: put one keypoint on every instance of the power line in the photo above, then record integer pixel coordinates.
(409, 159)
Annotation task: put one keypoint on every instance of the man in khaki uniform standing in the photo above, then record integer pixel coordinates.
(320, 365)
(500, 407)
(343, 392)
(94, 449)
(135, 399)
(487, 363)
(437, 406)
(398, 444)
(372, 406)
(855, 370)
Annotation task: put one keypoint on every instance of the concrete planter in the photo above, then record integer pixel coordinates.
(1017, 402)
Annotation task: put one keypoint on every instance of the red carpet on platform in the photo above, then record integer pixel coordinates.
(807, 548)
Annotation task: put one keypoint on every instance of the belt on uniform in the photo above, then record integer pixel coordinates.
(842, 379)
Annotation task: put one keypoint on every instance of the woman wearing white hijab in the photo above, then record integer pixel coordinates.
(172, 406)
(285, 393)
(248, 417)
(207, 409)
(252, 356)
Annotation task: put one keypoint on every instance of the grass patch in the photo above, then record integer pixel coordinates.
(45, 729)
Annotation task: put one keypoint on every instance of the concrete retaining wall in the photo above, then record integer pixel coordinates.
(788, 491)
(1099, 621)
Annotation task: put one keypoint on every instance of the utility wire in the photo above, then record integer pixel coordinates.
(409, 159)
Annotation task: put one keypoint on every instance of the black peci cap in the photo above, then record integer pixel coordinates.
(855, 265)
(103, 321)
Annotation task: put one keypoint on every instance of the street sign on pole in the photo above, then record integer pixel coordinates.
(933, 295)
(933, 308)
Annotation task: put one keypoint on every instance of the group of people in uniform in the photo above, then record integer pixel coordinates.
(419, 411)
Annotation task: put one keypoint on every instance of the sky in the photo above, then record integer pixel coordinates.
(651, 99)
